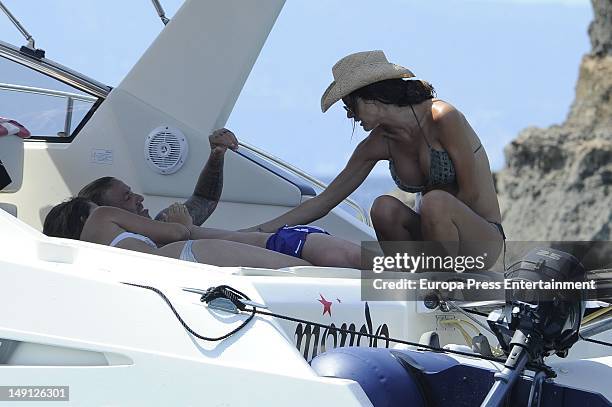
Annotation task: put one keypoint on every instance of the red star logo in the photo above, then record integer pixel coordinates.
(326, 305)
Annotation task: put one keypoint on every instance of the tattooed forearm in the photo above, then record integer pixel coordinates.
(200, 209)
(210, 182)
(208, 188)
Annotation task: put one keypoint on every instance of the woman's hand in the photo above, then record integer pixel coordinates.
(178, 213)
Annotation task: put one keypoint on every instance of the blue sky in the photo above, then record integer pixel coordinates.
(506, 64)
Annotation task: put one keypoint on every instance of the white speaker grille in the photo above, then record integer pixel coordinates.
(165, 149)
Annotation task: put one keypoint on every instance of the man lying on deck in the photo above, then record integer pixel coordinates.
(81, 219)
(307, 242)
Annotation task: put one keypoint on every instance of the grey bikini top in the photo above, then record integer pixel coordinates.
(441, 168)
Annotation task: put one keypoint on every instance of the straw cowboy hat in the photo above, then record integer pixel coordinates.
(358, 70)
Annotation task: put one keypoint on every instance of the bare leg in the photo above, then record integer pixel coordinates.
(328, 251)
(444, 218)
(252, 238)
(394, 221)
(227, 254)
(320, 249)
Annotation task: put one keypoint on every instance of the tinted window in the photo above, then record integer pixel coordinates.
(47, 107)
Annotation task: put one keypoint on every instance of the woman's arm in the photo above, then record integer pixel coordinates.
(454, 136)
(104, 217)
(365, 156)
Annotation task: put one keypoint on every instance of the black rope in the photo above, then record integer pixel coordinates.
(379, 337)
(298, 320)
(292, 319)
(533, 366)
(191, 331)
(234, 295)
(225, 291)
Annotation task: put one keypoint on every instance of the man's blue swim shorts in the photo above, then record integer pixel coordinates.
(290, 240)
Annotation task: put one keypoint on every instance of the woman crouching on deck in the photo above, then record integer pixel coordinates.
(432, 152)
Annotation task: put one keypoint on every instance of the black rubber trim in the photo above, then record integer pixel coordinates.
(5, 178)
(75, 132)
(305, 189)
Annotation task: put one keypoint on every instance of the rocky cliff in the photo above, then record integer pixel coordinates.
(557, 181)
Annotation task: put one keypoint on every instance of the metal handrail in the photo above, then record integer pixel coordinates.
(160, 11)
(46, 92)
(55, 70)
(20, 27)
(350, 202)
(69, 96)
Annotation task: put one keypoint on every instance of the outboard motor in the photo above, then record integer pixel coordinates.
(550, 317)
(532, 325)
(536, 323)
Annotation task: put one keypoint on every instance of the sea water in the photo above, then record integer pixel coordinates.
(372, 187)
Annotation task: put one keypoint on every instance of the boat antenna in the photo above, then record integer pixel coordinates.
(160, 11)
(29, 49)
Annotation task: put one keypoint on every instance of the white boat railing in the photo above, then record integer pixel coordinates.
(69, 96)
(46, 92)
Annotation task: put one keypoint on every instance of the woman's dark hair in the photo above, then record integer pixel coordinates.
(95, 190)
(68, 218)
(398, 92)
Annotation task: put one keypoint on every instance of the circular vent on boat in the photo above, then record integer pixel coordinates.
(166, 149)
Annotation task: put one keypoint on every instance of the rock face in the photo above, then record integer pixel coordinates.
(557, 181)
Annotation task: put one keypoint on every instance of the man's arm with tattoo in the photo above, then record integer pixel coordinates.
(208, 189)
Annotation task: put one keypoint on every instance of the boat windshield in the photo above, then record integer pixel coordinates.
(50, 109)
